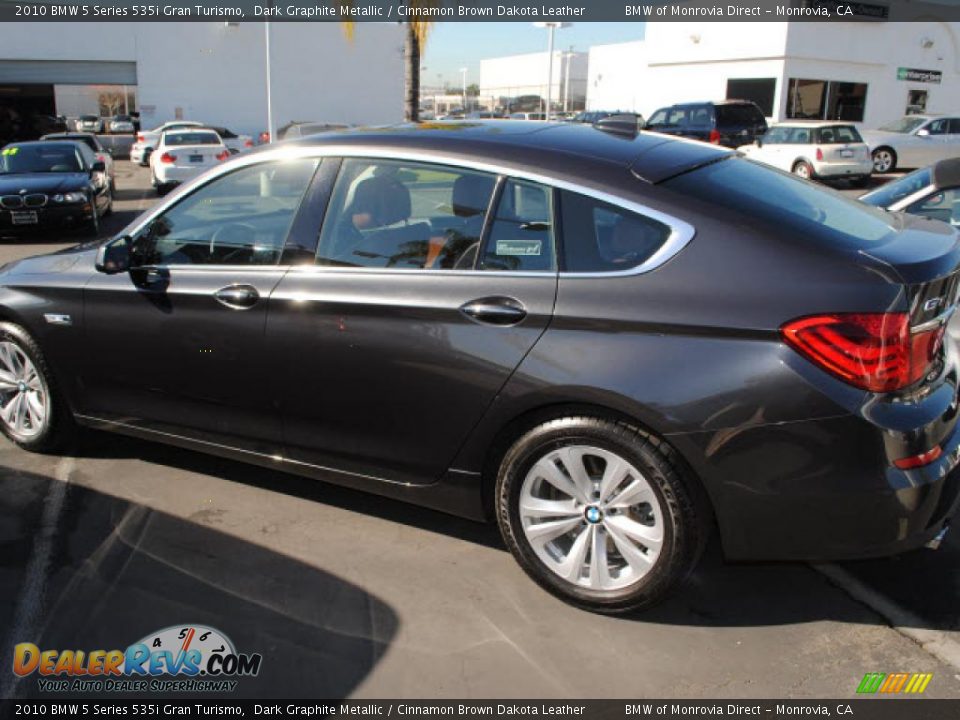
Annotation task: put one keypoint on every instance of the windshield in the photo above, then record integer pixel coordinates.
(892, 192)
(904, 124)
(191, 138)
(785, 203)
(40, 158)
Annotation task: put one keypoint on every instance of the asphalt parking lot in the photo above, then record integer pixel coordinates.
(347, 594)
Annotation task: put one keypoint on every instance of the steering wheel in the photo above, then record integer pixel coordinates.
(240, 237)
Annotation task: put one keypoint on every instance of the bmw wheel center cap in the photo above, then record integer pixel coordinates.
(593, 514)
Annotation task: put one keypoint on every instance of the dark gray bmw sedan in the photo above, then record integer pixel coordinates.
(616, 345)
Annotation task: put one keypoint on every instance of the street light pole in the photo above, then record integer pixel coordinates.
(270, 129)
(463, 71)
(551, 28)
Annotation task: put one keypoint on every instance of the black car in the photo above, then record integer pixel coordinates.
(49, 185)
(611, 344)
(932, 192)
(731, 123)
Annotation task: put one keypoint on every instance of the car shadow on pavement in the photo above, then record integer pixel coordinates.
(90, 571)
(718, 594)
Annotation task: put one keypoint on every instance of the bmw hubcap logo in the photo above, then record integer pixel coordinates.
(593, 514)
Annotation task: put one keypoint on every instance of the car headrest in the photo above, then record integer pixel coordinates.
(385, 199)
(631, 241)
(471, 195)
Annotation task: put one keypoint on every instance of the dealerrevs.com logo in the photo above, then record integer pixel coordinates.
(181, 658)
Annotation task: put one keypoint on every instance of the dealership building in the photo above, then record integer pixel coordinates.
(505, 79)
(214, 72)
(864, 72)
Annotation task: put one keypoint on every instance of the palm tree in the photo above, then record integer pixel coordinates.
(414, 41)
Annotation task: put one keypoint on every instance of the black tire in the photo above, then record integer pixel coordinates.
(92, 227)
(59, 429)
(884, 160)
(803, 169)
(682, 508)
(860, 182)
(109, 209)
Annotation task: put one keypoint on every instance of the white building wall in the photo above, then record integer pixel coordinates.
(872, 53)
(215, 73)
(690, 61)
(526, 74)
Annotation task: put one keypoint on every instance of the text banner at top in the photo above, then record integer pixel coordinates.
(479, 10)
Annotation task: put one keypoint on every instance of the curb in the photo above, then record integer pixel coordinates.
(935, 642)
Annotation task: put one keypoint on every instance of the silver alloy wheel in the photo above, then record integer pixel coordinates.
(591, 517)
(802, 170)
(882, 161)
(24, 400)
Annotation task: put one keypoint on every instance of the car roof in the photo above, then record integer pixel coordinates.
(533, 146)
(713, 102)
(44, 143)
(812, 123)
(946, 173)
(67, 135)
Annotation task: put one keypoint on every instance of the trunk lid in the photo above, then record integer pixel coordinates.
(196, 156)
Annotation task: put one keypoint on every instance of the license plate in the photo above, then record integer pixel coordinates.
(846, 153)
(23, 217)
(196, 158)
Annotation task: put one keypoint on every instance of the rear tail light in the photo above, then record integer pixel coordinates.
(715, 136)
(167, 158)
(875, 351)
(221, 156)
(101, 158)
(248, 142)
(819, 154)
(915, 461)
(140, 138)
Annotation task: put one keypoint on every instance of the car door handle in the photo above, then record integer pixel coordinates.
(495, 310)
(237, 297)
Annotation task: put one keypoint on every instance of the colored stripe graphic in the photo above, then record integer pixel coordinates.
(894, 683)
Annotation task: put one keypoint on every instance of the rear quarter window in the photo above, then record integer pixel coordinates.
(600, 237)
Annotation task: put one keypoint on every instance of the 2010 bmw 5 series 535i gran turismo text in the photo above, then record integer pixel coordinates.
(611, 344)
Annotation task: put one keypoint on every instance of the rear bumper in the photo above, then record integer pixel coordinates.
(138, 154)
(827, 489)
(172, 175)
(852, 169)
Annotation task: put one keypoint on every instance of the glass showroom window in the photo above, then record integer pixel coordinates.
(826, 100)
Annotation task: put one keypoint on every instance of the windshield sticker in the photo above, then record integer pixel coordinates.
(519, 247)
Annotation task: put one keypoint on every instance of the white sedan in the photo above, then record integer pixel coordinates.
(825, 150)
(147, 139)
(914, 141)
(183, 154)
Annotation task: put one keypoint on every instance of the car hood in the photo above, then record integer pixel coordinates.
(874, 137)
(42, 182)
(53, 263)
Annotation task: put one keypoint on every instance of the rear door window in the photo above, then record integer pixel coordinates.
(600, 237)
(522, 233)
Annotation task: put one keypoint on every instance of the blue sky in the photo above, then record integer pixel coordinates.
(453, 45)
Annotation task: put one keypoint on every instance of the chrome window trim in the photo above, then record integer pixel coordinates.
(681, 232)
(909, 200)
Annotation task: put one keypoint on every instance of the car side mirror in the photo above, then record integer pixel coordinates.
(98, 166)
(114, 257)
(923, 133)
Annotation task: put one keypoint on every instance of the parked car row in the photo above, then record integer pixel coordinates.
(118, 124)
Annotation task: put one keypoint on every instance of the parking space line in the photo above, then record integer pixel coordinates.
(30, 603)
(908, 624)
